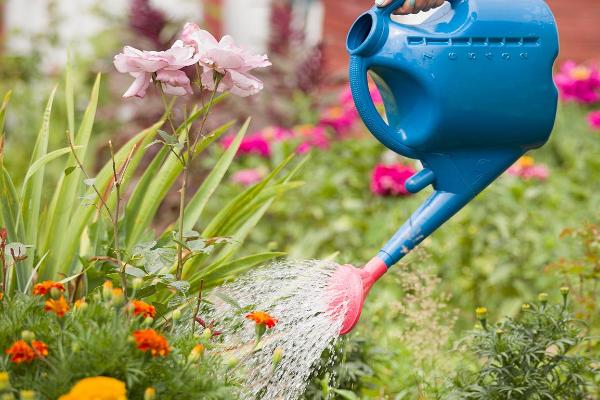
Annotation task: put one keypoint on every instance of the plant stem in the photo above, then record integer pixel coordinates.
(182, 191)
(197, 309)
(117, 184)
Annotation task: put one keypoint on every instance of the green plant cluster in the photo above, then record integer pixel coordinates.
(96, 340)
(538, 355)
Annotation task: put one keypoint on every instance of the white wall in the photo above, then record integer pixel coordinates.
(26, 19)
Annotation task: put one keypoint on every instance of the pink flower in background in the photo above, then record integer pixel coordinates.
(593, 119)
(227, 59)
(346, 99)
(311, 137)
(340, 119)
(276, 133)
(166, 64)
(527, 169)
(251, 144)
(247, 177)
(579, 83)
(390, 180)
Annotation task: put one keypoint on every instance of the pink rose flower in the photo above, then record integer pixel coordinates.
(578, 83)
(390, 180)
(311, 137)
(526, 169)
(224, 57)
(247, 177)
(165, 64)
(593, 119)
(251, 144)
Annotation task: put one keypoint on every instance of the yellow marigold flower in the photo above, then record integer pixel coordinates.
(97, 388)
(148, 340)
(481, 313)
(27, 395)
(42, 289)
(58, 307)
(150, 393)
(4, 381)
(525, 307)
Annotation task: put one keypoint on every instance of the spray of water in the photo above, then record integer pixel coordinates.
(298, 294)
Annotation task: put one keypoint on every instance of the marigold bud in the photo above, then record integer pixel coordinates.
(196, 353)
(4, 381)
(207, 334)
(231, 362)
(55, 293)
(149, 393)
(176, 315)
(481, 313)
(75, 347)
(107, 288)
(564, 290)
(277, 356)
(80, 304)
(117, 297)
(27, 395)
(137, 283)
(27, 336)
(148, 321)
(525, 307)
(543, 298)
(499, 333)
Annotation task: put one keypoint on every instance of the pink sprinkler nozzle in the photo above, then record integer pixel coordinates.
(349, 287)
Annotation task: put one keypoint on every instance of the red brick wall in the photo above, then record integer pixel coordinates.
(578, 21)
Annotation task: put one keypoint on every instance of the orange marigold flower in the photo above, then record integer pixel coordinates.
(40, 348)
(58, 307)
(148, 340)
(42, 289)
(262, 318)
(20, 352)
(144, 309)
(1, 296)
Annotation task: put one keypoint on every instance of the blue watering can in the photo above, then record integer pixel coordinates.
(467, 93)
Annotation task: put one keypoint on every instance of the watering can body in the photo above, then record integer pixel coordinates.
(467, 94)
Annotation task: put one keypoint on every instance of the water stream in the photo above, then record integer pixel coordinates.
(297, 294)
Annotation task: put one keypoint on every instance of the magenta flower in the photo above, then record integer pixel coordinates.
(224, 57)
(247, 177)
(311, 137)
(164, 65)
(340, 119)
(578, 83)
(251, 144)
(390, 180)
(593, 119)
(276, 133)
(526, 169)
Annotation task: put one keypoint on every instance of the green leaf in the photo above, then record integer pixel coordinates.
(9, 207)
(217, 274)
(31, 193)
(3, 108)
(198, 202)
(66, 193)
(83, 214)
(40, 163)
(346, 394)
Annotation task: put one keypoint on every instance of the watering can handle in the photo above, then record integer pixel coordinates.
(359, 84)
(387, 10)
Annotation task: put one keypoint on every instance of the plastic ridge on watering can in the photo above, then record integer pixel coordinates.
(466, 93)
